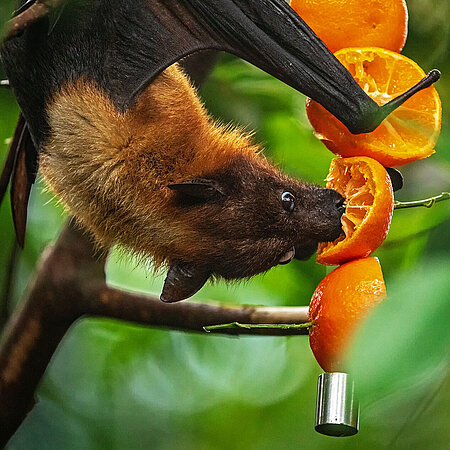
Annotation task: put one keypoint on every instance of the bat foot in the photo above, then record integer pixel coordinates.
(424, 83)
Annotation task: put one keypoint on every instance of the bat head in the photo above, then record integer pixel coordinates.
(249, 217)
(166, 182)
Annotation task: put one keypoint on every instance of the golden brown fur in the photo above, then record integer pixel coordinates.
(112, 170)
(116, 173)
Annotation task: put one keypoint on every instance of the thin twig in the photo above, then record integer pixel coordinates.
(427, 202)
(263, 326)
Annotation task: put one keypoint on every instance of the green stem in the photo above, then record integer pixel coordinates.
(427, 202)
(264, 326)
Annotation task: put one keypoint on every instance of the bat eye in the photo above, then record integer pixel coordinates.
(288, 201)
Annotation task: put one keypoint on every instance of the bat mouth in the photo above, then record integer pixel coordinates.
(287, 257)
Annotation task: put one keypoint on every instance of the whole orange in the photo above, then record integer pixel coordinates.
(356, 23)
(339, 304)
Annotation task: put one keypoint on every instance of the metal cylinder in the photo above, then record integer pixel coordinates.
(337, 411)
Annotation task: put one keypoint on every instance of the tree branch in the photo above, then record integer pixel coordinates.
(190, 316)
(70, 283)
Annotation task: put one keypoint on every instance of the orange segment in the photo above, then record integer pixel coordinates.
(356, 23)
(341, 301)
(408, 134)
(369, 203)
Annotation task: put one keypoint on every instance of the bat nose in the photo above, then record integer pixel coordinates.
(333, 211)
(337, 201)
(340, 205)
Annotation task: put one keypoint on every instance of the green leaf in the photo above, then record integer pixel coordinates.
(405, 342)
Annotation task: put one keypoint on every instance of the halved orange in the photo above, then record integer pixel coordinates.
(340, 303)
(356, 23)
(407, 134)
(369, 203)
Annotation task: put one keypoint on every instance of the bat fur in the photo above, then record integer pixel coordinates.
(124, 142)
(112, 170)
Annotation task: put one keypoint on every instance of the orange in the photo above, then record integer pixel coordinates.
(356, 23)
(340, 302)
(407, 134)
(369, 203)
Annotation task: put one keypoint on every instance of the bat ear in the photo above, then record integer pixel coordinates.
(198, 188)
(396, 178)
(183, 280)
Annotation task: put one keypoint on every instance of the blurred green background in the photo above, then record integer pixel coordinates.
(114, 385)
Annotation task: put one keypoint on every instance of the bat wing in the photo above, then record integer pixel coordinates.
(23, 177)
(20, 168)
(8, 168)
(267, 33)
(123, 45)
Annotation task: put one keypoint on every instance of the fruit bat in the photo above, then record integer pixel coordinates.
(125, 143)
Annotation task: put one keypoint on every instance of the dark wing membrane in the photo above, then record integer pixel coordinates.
(12, 156)
(20, 168)
(267, 33)
(123, 45)
(23, 177)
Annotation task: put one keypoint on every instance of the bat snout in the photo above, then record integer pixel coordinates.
(329, 208)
